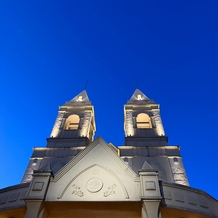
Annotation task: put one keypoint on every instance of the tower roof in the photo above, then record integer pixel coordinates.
(139, 97)
(81, 99)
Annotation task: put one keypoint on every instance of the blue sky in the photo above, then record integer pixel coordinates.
(49, 49)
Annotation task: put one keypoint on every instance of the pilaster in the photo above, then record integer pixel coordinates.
(36, 195)
(150, 193)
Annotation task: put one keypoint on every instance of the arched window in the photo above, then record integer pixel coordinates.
(72, 122)
(143, 121)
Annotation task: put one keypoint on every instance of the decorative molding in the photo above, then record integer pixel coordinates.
(83, 153)
(77, 191)
(3, 199)
(38, 186)
(102, 167)
(23, 195)
(150, 185)
(203, 202)
(129, 124)
(57, 124)
(179, 175)
(94, 185)
(86, 124)
(179, 197)
(13, 197)
(158, 123)
(167, 195)
(191, 199)
(95, 172)
(157, 151)
(110, 190)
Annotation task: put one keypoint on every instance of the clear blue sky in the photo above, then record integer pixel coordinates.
(49, 49)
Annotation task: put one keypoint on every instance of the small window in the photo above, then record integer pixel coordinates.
(34, 162)
(143, 121)
(72, 122)
(176, 161)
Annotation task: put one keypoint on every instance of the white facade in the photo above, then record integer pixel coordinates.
(76, 176)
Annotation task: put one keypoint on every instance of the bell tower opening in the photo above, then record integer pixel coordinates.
(72, 122)
(143, 121)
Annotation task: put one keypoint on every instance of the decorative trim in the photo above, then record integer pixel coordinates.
(3, 199)
(102, 167)
(94, 185)
(38, 186)
(110, 190)
(83, 153)
(77, 191)
(179, 197)
(13, 197)
(150, 185)
(167, 195)
(191, 200)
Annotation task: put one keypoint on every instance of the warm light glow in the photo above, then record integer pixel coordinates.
(85, 126)
(143, 121)
(139, 97)
(129, 130)
(80, 98)
(72, 122)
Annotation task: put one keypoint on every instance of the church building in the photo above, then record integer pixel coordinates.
(79, 176)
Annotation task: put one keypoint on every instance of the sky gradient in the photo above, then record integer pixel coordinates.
(167, 49)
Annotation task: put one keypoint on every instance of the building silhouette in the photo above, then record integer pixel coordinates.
(76, 175)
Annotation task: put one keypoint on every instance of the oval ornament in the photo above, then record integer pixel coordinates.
(94, 185)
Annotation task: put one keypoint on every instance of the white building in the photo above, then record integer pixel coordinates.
(77, 176)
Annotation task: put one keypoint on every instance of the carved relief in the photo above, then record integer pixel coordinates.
(95, 172)
(150, 185)
(158, 123)
(129, 124)
(85, 124)
(110, 190)
(94, 185)
(77, 191)
(179, 176)
(57, 124)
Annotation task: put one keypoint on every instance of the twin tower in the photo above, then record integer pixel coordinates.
(145, 140)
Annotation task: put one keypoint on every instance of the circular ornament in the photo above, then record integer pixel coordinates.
(94, 185)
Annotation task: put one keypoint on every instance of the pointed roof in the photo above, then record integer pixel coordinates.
(139, 97)
(93, 175)
(97, 143)
(81, 99)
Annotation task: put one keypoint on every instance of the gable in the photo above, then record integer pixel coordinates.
(95, 174)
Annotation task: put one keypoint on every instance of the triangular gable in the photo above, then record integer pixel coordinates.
(81, 98)
(139, 97)
(96, 174)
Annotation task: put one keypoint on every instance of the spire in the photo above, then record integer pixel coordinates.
(139, 97)
(81, 99)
